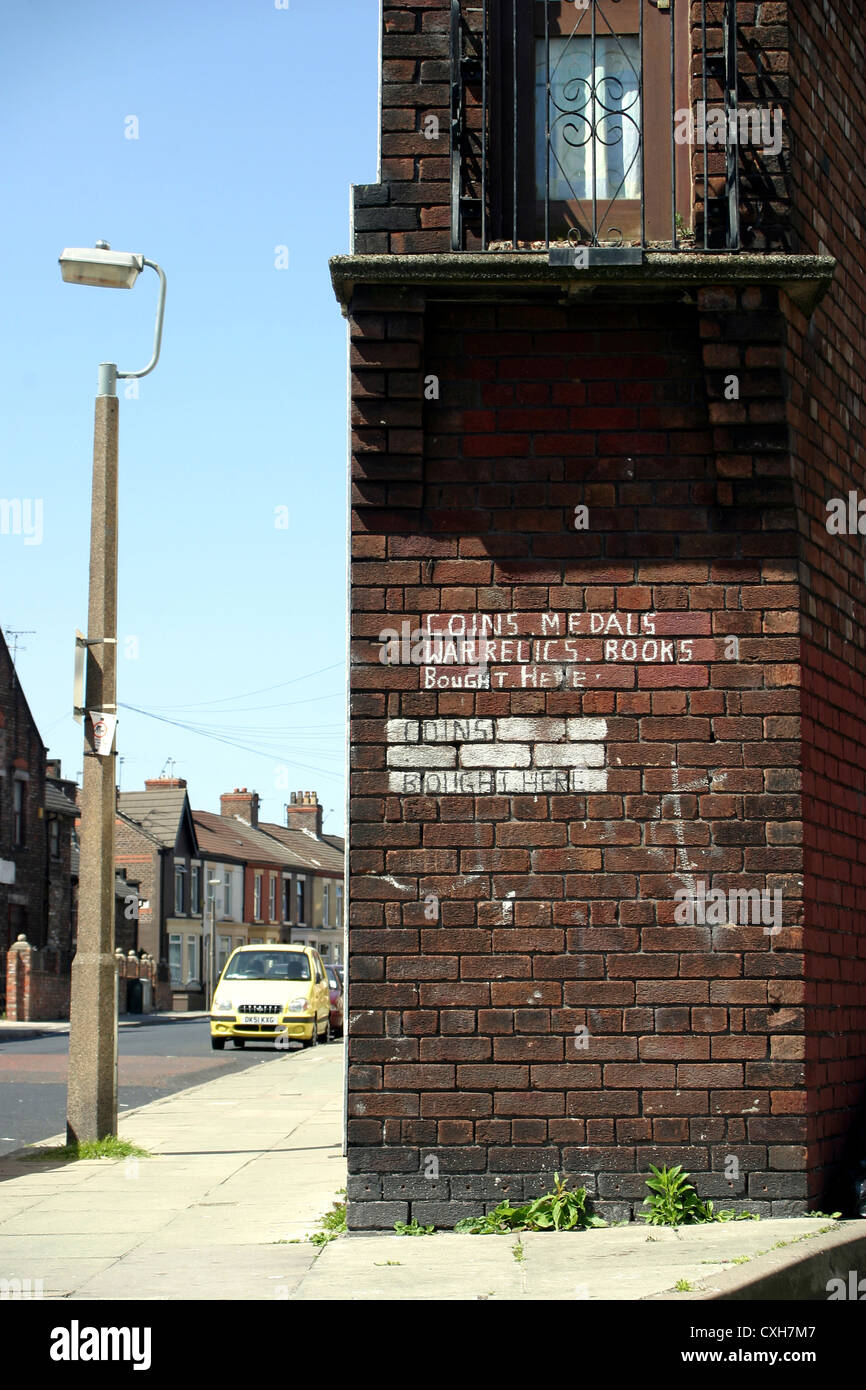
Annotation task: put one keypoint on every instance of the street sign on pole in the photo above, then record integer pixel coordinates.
(78, 680)
(104, 726)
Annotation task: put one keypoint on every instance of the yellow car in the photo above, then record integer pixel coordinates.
(273, 993)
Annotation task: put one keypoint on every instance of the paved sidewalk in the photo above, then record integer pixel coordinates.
(245, 1165)
(241, 1163)
(622, 1263)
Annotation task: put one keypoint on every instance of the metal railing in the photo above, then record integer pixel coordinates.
(585, 123)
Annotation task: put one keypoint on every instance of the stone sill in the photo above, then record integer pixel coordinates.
(805, 279)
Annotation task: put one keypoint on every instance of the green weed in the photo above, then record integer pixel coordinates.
(559, 1210)
(673, 1201)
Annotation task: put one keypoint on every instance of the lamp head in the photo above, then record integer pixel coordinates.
(99, 265)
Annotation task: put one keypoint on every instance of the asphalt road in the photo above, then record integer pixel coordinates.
(154, 1059)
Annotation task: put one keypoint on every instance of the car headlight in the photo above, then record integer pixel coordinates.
(223, 1006)
(297, 1006)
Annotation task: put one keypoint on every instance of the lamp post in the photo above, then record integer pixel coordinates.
(91, 1111)
(212, 955)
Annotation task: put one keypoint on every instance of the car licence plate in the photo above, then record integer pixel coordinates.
(260, 1018)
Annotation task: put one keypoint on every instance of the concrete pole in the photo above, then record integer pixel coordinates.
(92, 1092)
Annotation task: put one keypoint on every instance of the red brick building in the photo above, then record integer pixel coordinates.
(23, 837)
(606, 404)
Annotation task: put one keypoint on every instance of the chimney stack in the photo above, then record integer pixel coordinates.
(161, 783)
(241, 805)
(305, 813)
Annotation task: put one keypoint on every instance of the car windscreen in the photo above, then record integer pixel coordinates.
(268, 965)
(333, 979)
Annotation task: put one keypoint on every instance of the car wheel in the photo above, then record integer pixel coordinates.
(336, 1033)
(327, 1037)
(238, 1042)
(217, 1044)
(313, 1039)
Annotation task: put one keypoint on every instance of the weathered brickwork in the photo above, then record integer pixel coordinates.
(409, 211)
(617, 502)
(23, 845)
(555, 913)
(827, 369)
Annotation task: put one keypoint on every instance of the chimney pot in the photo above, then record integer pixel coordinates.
(241, 804)
(305, 813)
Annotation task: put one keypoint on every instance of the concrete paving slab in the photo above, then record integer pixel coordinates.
(58, 1277)
(250, 1272)
(621, 1263)
(64, 1244)
(59, 1220)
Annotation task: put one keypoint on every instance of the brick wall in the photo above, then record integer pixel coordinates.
(409, 211)
(140, 859)
(23, 904)
(37, 984)
(827, 369)
(555, 909)
(523, 997)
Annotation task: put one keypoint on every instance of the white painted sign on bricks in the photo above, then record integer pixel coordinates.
(534, 650)
(484, 757)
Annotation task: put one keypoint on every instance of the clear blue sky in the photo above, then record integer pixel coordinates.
(252, 124)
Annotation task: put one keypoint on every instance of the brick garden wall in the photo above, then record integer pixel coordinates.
(37, 984)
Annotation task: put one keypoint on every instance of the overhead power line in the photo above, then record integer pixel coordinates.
(264, 690)
(231, 743)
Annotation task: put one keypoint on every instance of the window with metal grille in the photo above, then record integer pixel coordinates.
(564, 120)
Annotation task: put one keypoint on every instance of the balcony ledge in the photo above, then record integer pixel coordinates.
(485, 274)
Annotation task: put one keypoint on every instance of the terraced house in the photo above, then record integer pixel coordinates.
(606, 305)
(244, 879)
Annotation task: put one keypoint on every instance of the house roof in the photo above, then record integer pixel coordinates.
(226, 835)
(325, 855)
(220, 836)
(57, 803)
(159, 811)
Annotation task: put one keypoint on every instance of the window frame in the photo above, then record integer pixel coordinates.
(517, 91)
(175, 970)
(19, 813)
(179, 881)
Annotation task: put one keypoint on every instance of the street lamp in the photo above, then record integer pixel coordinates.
(91, 1111)
(212, 954)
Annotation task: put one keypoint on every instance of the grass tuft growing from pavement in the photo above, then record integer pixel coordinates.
(333, 1223)
(110, 1147)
